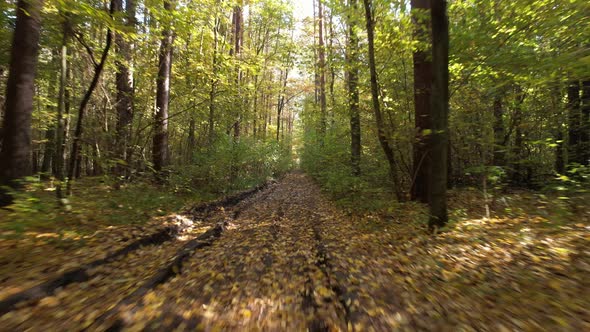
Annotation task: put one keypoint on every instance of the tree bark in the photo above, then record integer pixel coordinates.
(439, 114)
(214, 80)
(422, 91)
(353, 90)
(322, 73)
(125, 91)
(574, 117)
(585, 125)
(499, 133)
(381, 132)
(160, 146)
(15, 156)
(63, 112)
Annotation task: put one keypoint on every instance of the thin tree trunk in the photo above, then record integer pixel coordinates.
(15, 156)
(160, 146)
(422, 91)
(353, 90)
(439, 115)
(585, 125)
(63, 112)
(214, 81)
(574, 116)
(74, 167)
(381, 132)
(322, 73)
(499, 133)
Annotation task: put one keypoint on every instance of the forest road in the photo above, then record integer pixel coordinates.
(282, 262)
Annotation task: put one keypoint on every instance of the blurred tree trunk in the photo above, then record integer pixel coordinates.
(63, 111)
(322, 73)
(15, 156)
(422, 90)
(214, 81)
(50, 133)
(439, 114)
(160, 148)
(352, 64)
(585, 126)
(499, 133)
(125, 91)
(574, 118)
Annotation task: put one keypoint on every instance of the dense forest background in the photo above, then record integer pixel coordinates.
(221, 96)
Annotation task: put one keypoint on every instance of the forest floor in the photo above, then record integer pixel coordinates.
(286, 258)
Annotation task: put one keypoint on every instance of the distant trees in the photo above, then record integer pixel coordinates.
(15, 153)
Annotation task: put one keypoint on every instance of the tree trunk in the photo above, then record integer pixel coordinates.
(125, 92)
(75, 157)
(585, 125)
(63, 112)
(15, 156)
(381, 133)
(574, 116)
(422, 90)
(214, 81)
(353, 90)
(439, 114)
(160, 148)
(499, 133)
(322, 73)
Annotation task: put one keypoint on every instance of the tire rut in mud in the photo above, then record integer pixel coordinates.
(95, 271)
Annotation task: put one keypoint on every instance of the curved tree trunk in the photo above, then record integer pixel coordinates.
(381, 132)
(75, 156)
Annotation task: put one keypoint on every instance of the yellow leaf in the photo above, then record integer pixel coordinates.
(51, 302)
(246, 313)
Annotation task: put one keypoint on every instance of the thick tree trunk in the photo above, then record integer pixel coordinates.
(75, 156)
(381, 132)
(125, 92)
(422, 90)
(160, 146)
(15, 156)
(439, 114)
(353, 89)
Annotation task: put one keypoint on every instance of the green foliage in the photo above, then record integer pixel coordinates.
(575, 182)
(94, 205)
(233, 165)
(330, 166)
